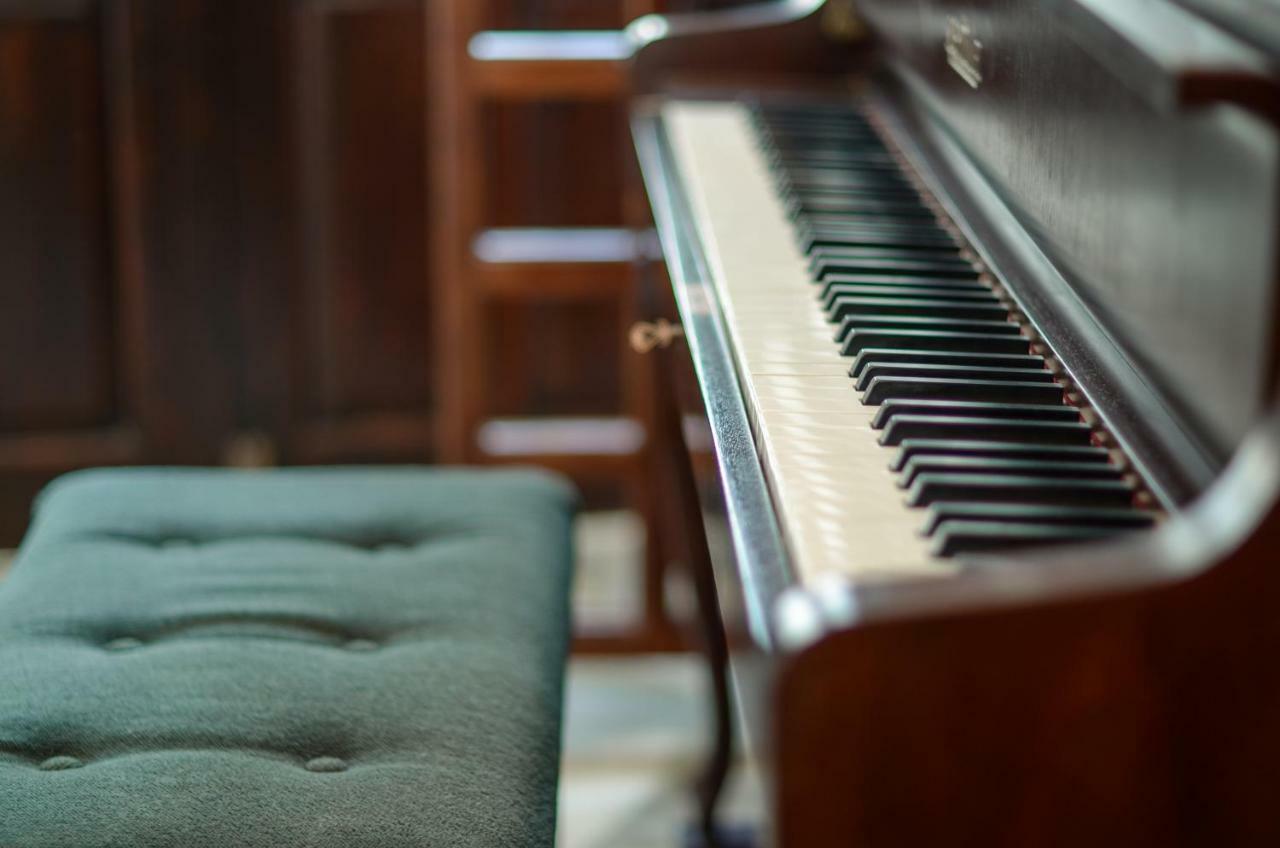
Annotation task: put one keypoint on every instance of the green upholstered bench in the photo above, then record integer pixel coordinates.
(346, 658)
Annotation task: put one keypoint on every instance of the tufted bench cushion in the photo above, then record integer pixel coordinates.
(346, 658)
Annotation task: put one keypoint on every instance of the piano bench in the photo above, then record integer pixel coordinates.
(345, 658)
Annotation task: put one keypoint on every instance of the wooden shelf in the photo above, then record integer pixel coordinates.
(544, 81)
(568, 245)
(551, 282)
(559, 263)
(471, 69)
(505, 438)
(550, 46)
(578, 65)
(54, 452)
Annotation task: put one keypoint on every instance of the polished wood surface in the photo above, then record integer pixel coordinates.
(1112, 694)
(1115, 170)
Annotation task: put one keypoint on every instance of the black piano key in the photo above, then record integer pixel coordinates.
(914, 448)
(958, 538)
(827, 153)
(1007, 467)
(812, 240)
(904, 286)
(927, 264)
(809, 171)
(940, 325)
(1122, 518)
(872, 370)
(871, 255)
(978, 298)
(895, 252)
(849, 260)
(929, 489)
(1021, 412)
(890, 193)
(825, 266)
(887, 356)
(886, 191)
(832, 142)
(882, 390)
(829, 219)
(835, 157)
(798, 208)
(914, 232)
(932, 340)
(805, 178)
(905, 427)
(971, 310)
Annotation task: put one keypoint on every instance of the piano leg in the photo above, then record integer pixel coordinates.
(687, 537)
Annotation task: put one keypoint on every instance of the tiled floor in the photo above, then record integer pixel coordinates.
(635, 728)
(635, 731)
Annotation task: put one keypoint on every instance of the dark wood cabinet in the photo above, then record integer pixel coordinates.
(360, 374)
(69, 376)
(216, 237)
(213, 236)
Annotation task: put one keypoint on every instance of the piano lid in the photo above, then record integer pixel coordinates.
(1159, 213)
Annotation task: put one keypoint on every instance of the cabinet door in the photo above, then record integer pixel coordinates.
(67, 393)
(361, 375)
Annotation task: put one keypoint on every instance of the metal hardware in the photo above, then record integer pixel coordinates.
(841, 23)
(250, 449)
(964, 51)
(648, 336)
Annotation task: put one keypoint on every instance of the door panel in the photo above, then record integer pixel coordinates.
(362, 360)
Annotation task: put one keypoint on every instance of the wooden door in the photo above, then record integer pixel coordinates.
(68, 386)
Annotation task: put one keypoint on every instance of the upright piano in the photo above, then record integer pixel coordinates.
(979, 307)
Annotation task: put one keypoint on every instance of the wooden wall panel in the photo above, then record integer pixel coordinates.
(183, 65)
(555, 164)
(363, 355)
(65, 387)
(555, 359)
(555, 14)
(54, 229)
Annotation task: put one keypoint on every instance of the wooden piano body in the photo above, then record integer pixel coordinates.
(1115, 163)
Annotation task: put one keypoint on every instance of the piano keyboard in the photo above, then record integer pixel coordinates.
(902, 411)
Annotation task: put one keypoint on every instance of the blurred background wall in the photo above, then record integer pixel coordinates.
(224, 239)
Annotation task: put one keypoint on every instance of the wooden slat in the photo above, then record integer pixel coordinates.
(602, 437)
(56, 452)
(542, 80)
(407, 436)
(565, 244)
(544, 282)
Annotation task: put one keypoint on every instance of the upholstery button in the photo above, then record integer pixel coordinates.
(361, 645)
(61, 764)
(127, 643)
(326, 765)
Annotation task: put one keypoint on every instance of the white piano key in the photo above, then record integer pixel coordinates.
(840, 507)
